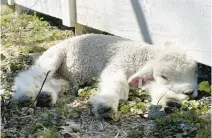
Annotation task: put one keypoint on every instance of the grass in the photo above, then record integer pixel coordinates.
(28, 30)
(21, 37)
(25, 35)
(179, 124)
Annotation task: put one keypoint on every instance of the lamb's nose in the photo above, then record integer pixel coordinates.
(189, 93)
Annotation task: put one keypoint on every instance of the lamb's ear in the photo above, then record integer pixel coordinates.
(142, 75)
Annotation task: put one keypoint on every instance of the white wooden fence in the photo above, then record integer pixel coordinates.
(187, 22)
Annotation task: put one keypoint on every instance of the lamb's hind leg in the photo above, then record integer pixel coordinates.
(28, 83)
(113, 87)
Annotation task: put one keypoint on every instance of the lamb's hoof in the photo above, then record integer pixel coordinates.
(172, 105)
(44, 99)
(168, 110)
(102, 111)
(103, 106)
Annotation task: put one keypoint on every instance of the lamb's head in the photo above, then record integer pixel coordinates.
(178, 72)
(172, 74)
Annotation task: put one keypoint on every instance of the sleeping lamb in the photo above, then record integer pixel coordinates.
(163, 71)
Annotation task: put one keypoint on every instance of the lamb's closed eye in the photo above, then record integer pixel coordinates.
(164, 77)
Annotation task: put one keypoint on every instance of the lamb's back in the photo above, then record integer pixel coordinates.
(88, 55)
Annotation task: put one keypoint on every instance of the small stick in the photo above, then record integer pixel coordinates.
(39, 90)
(161, 98)
(3, 108)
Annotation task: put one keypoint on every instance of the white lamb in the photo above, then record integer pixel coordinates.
(117, 62)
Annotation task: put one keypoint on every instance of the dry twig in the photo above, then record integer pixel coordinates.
(2, 108)
(39, 91)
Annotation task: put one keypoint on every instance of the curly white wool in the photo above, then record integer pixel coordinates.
(117, 62)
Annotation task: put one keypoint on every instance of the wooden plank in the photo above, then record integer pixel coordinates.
(62, 9)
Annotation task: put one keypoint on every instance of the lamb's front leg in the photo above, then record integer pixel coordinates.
(113, 87)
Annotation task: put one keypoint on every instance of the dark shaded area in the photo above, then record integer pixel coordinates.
(204, 74)
(87, 30)
(53, 21)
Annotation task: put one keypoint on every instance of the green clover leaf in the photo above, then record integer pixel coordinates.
(204, 86)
